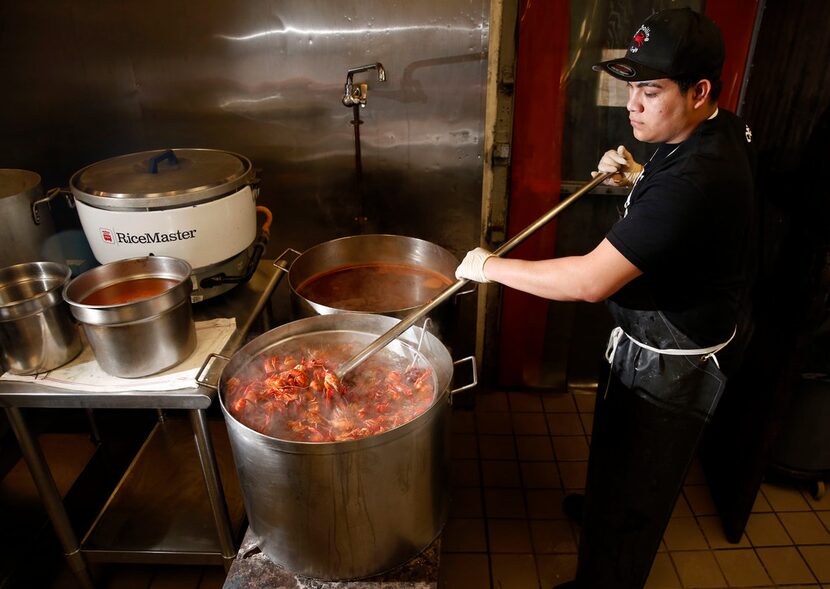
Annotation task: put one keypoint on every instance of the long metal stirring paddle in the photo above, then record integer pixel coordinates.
(410, 320)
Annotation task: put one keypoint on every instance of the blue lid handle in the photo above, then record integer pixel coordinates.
(167, 155)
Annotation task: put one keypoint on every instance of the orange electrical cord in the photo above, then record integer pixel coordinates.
(266, 226)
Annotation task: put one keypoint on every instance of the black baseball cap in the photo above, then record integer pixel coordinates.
(672, 43)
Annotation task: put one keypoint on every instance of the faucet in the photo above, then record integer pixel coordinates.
(356, 95)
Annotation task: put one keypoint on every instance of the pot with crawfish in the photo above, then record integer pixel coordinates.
(341, 480)
(374, 274)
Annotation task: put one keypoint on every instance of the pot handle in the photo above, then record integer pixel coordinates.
(205, 365)
(472, 360)
(465, 292)
(50, 194)
(280, 258)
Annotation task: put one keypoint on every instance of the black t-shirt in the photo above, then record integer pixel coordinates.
(687, 228)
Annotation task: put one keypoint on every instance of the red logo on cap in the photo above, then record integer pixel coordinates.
(640, 39)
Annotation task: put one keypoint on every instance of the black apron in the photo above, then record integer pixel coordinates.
(658, 362)
(660, 391)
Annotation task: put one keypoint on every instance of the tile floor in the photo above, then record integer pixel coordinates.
(133, 576)
(516, 455)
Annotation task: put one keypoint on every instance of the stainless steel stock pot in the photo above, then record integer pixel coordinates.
(134, 330)
(431, 269)
(37, 333)
(355, 508)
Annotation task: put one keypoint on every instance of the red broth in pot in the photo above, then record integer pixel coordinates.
(129, 291)
(374, 287)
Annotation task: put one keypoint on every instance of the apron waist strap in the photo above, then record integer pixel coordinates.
(617, 333)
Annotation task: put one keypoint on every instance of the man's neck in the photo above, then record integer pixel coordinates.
(706, 113)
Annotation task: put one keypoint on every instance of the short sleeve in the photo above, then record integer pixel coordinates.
(664, 223)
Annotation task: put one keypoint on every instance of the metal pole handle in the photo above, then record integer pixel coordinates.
(410, 320)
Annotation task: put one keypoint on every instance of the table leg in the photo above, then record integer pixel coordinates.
(216, 495)
(49, 494)
(95, 434)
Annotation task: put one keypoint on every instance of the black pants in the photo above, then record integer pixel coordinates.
(640, 454)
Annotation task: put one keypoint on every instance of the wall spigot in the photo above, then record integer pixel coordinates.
(355, 95)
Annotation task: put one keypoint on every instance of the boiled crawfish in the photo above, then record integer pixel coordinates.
(300, 398)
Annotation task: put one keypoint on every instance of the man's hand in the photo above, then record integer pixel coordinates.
(619, 163)
(472, 266)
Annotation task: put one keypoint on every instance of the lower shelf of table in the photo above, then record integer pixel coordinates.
(160, 512)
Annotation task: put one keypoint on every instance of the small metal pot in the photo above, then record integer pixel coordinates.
(37, 333)
(367, 249)
(143, 336)
(356, 508)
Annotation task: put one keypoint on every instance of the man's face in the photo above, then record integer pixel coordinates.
(658, 112)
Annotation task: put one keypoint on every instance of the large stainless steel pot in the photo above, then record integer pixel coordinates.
(367, 249)
(352, 509)
(26, 234)
(140, 337)
(37, 333)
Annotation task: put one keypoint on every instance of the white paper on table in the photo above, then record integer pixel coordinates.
(84, 374)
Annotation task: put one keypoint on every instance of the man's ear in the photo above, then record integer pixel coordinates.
(700, 93)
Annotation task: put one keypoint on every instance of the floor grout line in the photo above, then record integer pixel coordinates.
(713, 545)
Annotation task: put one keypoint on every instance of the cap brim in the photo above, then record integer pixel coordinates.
(628, 71)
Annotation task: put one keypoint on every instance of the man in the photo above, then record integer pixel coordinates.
(671, 271)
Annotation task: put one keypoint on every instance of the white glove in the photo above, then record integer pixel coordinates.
(472, 266)
(621, 164)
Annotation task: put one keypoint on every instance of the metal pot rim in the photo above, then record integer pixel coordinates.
(56, 271)
(334, 242)
(160, 198)
(132, 311)
(365, 236)
(294, 284)
(267, 339)
(27, 183)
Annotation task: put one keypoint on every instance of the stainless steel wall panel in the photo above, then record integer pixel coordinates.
(87, 80)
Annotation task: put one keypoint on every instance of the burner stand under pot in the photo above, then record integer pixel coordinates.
(253, 570)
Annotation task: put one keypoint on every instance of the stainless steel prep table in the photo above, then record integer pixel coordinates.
(247, 303)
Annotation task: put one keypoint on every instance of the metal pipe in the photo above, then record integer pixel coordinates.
(365, 68)
(508, 246)
(358, 171)
(213, 485)
(244, 327)
(51, 497)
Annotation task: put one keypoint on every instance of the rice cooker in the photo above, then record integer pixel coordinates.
(195, 204)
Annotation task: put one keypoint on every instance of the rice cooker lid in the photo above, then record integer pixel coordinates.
(17, 182)
(162, 178)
